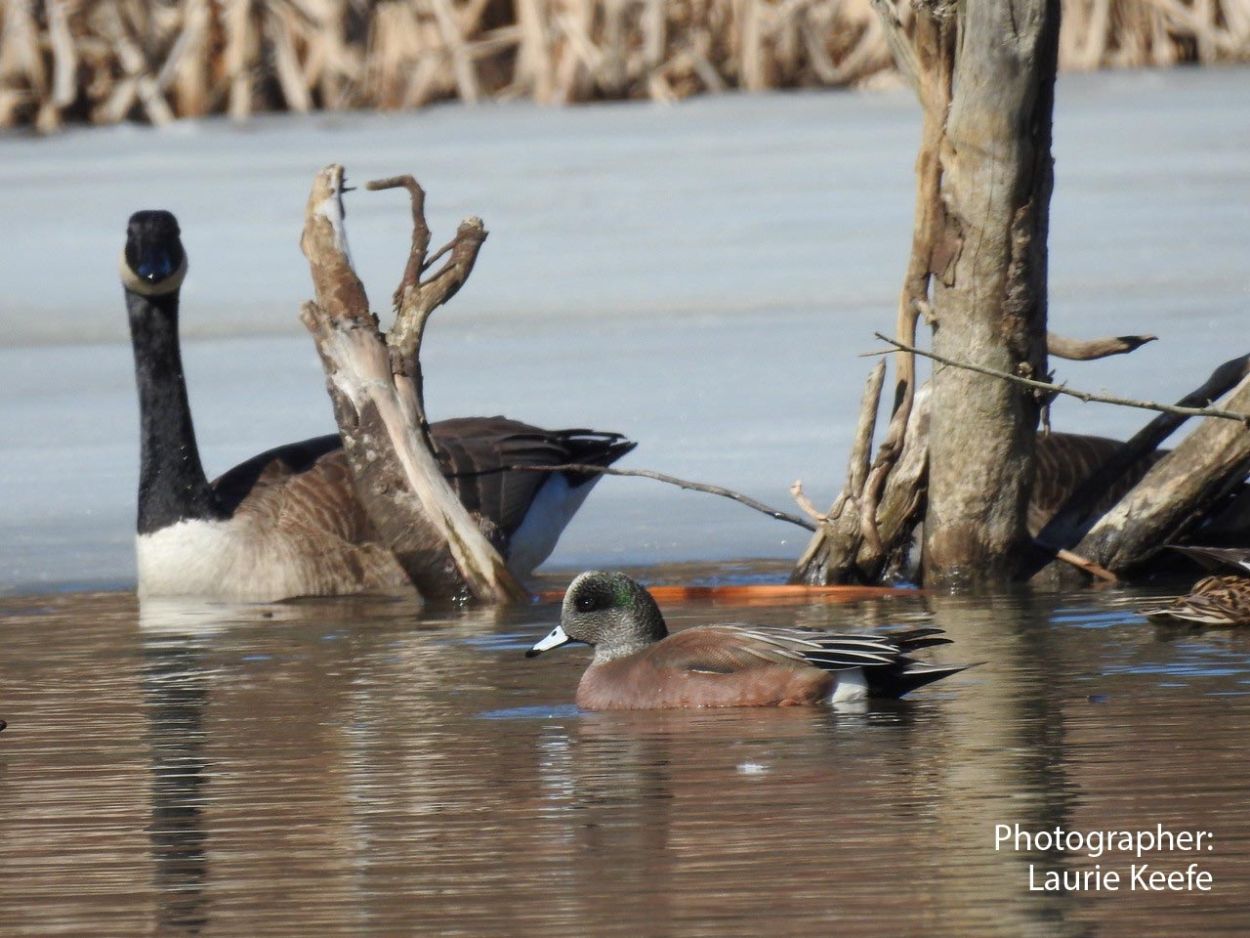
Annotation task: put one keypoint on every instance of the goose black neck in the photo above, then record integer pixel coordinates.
(172, 484)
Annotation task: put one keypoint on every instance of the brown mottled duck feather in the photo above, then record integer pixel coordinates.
(1219, 600)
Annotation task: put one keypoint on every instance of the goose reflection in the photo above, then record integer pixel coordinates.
(175, 682)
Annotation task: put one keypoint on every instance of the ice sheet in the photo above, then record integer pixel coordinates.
(699, 276)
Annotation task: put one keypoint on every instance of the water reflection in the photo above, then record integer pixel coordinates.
(367, 767)
(1005, 764)
(175, 692)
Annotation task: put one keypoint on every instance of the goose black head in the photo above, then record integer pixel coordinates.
(153, 262)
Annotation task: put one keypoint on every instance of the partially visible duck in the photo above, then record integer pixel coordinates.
(287, 522)
(1222, 600)
(638, 665)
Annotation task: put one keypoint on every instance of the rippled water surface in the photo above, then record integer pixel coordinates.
(361, 767)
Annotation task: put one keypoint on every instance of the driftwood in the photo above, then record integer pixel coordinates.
(1072, 521)
(989, 293)
(840, 551)
(414, 299)
(1176, 493)
(1166, 499)
(843, 554)
(928, 60)
(984, 72)
(1092, 477)
(843, 525)
(378, 411)
(977, 273)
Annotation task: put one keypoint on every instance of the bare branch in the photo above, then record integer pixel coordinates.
(420, 232)
(1083, 350)
(415, 300)
(861, 450)
(805, 503)
(1086, 396)
(419, 300)
(438, 255)
(932, 250)
(680, 483)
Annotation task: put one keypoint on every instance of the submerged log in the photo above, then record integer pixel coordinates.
(380, 419)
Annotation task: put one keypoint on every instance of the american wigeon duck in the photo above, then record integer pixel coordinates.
(287, 522)
(1222, 600)
(638, 665)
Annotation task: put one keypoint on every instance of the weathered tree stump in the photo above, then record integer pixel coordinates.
(375, 390)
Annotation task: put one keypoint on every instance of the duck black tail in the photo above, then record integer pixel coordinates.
(907, 674)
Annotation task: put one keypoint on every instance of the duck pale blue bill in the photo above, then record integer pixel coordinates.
(555, 638)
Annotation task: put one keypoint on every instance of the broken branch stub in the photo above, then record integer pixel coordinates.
(1085, 350)
(396, 474)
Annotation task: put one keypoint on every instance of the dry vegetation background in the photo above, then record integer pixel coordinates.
(111, 60)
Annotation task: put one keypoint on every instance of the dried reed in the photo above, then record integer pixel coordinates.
(113, 60)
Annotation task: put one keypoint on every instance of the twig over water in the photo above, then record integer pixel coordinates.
(1086, 396)
(680, 483)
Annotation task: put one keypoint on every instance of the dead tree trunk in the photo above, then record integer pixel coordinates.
(989, 301)
(984, 71)
(376, 394)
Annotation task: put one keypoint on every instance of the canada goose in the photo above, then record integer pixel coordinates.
(287, 523)
(1064, 461)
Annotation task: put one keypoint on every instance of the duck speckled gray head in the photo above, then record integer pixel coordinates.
(609, 612)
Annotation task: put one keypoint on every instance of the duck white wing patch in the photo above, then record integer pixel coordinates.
(851, 688)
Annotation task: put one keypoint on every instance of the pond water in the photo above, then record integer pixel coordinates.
(363, 767)
(701, 278)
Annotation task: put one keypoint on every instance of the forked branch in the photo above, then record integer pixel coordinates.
(415, 299)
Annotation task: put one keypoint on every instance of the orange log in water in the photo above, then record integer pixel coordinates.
(768, 594)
